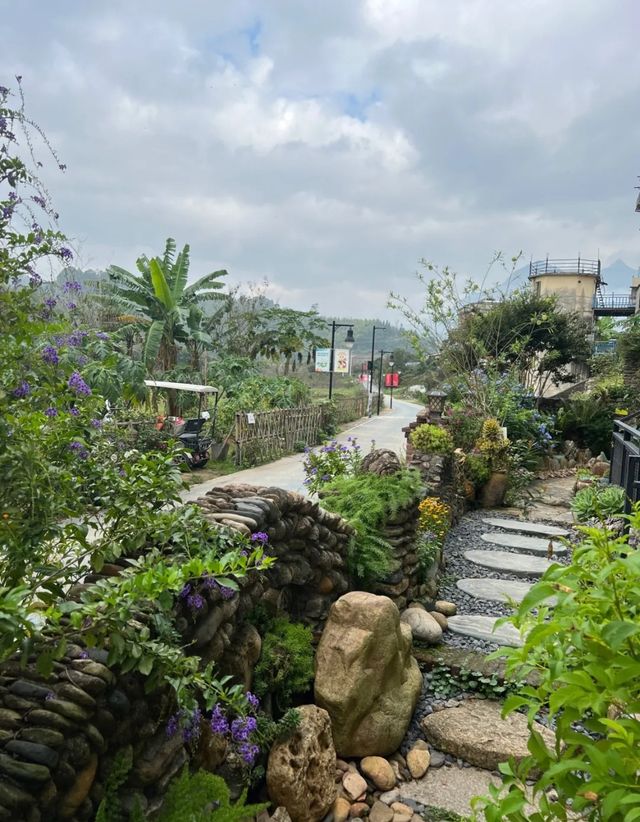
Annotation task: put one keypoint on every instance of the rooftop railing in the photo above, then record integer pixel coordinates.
(577, 265)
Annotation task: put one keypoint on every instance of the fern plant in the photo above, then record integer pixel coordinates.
(367, 501)
(285, 666)
(110, 809)
(204, 797)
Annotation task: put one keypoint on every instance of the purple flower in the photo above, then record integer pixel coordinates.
(186, 590)
(22, 390)
(242, 728)
(50, 412)
(75, 412)
(210, 583)
(64, 252)
(253, 700)
(78, 450)
(191, 732)
(260, 536)
(71, 285)
(227, 593)
(77, 384)
(96, 423)
(35, 280)
(84, 655)
(51, 302)
(39, 200)
(248, 751)
(50, 355)
(49, 696)
(77, 338)
(82, 360)
(195, 602)
(100, 335)
(173, 724)
(71, 306)
(219, 723)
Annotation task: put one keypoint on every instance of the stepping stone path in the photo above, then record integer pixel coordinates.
(482, 627)
(498, 590)
(536, 528)
(517, 563)
(521, 565)
(532, 545)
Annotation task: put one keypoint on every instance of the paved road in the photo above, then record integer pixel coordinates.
(287, 472)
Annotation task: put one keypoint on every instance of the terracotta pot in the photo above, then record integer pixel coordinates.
(492, 494)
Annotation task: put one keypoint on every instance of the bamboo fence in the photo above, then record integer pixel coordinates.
(267, 435)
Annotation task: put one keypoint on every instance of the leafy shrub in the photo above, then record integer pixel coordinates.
(588, 421)
(435, 516)
(431, 439)
(464, 424)
(598, 502)
(366, 501)
(204, 797)
(476, 469)
(285, 666)
(493, 445)
(585, 653)
(331, 461)
(259, 393)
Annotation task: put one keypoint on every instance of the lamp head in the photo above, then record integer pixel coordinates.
(348, 340)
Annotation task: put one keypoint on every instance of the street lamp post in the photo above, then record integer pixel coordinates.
(348, 342)
(373, 354)
(382, 353)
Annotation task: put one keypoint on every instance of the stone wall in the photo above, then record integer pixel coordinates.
(59, 735)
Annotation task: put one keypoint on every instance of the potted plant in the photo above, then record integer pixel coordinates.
(494, 447)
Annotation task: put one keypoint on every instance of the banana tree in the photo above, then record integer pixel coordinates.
(160, 296)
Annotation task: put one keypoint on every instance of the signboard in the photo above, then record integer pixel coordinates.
(341, 361)
(323, 359)
(251, 420)
(392, 380)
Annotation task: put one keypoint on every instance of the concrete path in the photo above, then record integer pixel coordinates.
(287, 473)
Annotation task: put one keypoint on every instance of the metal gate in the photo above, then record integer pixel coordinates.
(625, 459)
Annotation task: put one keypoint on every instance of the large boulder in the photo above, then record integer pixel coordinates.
(476, 732)
(301, 769)
(366, 677)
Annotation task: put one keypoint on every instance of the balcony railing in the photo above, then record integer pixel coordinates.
(541, 268)
(613, 301)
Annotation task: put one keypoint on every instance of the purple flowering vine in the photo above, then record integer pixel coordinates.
(50, 355)
(50, 412)
(23, 390)
(77, 384)
(260, 536)
(78, 449)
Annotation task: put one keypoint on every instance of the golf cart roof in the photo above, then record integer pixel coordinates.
(182, 386)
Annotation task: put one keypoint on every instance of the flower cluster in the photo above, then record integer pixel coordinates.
(331, 461)
(189, 723)
(434, 518)
(241, 731)
(22, 390)
(77, 384)
(50, 355)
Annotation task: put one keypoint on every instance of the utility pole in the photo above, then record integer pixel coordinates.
(373, 354)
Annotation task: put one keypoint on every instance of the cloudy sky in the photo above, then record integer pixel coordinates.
(327, 146)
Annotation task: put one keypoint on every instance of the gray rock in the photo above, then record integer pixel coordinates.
(482, 627)
(532, 545)
(520, 565)
(498, 590)
(23, 771)
(33, 752)
(424, 627)
(536, 528)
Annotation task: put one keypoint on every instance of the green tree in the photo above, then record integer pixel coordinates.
(289, 334)
(171, 310)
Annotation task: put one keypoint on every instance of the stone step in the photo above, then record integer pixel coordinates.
(521, 565)
(496, 590)
(536, 528)
(481, 627)
(532, 545)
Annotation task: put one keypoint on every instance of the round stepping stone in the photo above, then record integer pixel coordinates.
(532, 545)
(535, 528)
(521, 565)
(481, 627)
(497, 590)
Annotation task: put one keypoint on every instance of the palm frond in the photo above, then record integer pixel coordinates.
(179, 273)
(152, 342)
(160, 286)
(208, 282)
(169, 253)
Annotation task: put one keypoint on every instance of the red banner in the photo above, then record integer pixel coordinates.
(392, 380)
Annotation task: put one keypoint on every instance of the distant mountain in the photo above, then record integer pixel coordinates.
(392, 338)
(617, 276)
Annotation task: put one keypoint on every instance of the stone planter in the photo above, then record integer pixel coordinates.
(493, 492)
